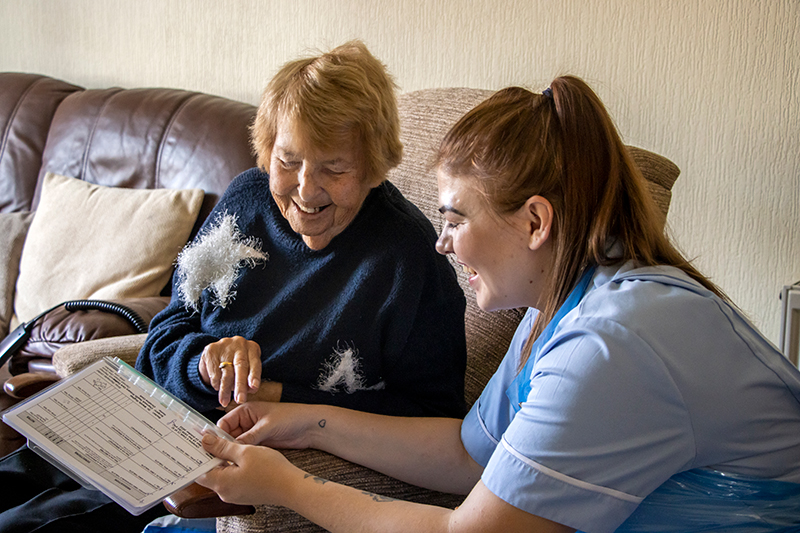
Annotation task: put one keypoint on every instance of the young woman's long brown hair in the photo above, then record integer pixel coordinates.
(563, 146)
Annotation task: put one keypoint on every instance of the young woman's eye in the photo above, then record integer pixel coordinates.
(451, 225)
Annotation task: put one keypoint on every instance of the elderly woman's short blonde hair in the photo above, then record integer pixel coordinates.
(327, 98)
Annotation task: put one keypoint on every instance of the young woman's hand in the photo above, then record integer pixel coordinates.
(259, 475)
(254, 474)
(273, 424)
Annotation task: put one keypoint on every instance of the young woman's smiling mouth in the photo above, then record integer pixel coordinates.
(468, 270)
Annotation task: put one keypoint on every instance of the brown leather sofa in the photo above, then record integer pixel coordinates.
(136, 138)
(156, 138)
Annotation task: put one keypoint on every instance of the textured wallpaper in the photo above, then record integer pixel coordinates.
(711, 85)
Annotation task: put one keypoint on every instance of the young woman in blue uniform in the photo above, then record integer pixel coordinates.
(634, 396)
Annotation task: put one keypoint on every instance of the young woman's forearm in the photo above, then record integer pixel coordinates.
(339, 508)
(422, 451)
(261, 475)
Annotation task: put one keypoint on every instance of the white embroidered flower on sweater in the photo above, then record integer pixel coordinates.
(213, 261)
(342, 372)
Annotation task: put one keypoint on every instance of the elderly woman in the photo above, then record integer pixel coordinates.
(313, 280)
(338, 295)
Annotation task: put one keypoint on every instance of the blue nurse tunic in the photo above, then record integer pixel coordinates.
(645, 375)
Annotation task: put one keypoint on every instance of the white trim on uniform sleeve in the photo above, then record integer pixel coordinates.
(570, 480)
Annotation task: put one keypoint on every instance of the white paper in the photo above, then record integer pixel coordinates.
(112, 427)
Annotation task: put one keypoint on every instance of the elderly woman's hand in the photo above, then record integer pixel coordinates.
(232, 365)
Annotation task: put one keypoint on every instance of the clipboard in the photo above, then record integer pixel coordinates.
(112, 429)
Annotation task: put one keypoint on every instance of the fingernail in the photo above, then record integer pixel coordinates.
(209, 438)
(254, 383)
(241, 398)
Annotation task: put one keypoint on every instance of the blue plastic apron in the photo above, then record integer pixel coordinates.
(707, 500)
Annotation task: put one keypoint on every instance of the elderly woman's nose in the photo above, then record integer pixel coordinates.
(307, 184)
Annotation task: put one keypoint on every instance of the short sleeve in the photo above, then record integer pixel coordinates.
(602, 427)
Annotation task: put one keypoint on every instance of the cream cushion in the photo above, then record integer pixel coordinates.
(13, 228)
(90, 241)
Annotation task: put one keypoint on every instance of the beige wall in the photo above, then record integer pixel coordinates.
(713, 85)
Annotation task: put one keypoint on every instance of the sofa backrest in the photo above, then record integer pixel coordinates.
(425, 117)
(133, 138)
(27, 105)
(150, 138)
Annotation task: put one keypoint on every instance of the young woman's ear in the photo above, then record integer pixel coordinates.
(539, 217)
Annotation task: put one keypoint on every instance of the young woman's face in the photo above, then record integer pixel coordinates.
(495, 251)
(319, 191)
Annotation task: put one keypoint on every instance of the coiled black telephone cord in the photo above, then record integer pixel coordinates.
(15, 340)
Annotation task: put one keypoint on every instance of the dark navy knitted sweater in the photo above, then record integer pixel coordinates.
(379, 288)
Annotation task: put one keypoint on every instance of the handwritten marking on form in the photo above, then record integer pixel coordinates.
(138, 444)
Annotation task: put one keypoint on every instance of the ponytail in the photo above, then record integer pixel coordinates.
(563, 145)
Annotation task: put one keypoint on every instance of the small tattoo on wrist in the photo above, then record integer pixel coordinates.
(322, 423)
(316, 479)
(377, 497)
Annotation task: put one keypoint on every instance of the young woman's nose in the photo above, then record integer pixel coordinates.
(444, 244)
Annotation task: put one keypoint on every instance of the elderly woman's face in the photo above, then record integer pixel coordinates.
(319, 191)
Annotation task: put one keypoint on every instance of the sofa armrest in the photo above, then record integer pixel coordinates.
(25, 385)
(196, 501)
(73, 357)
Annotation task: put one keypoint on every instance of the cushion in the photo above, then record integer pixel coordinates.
(660, 174)
(13, 228)
(61, 328)
(90, 241)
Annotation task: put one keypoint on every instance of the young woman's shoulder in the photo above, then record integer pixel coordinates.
(630, 293)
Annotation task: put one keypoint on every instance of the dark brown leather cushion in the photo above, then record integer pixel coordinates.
(61, 327)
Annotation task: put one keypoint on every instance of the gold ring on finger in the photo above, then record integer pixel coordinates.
(224, 364)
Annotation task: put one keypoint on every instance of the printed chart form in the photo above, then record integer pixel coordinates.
(111, 426)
